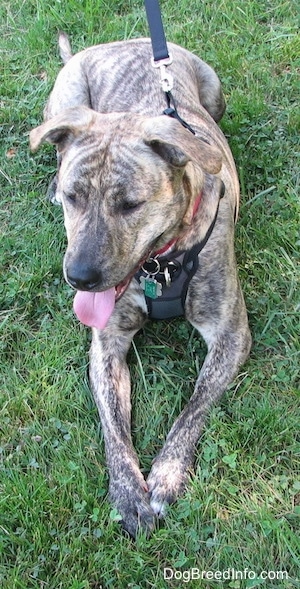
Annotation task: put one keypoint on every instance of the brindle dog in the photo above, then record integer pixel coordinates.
(134, 183)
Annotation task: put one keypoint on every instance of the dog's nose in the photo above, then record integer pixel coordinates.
(83, 277)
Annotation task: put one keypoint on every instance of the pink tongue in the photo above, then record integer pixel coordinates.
(94, 308)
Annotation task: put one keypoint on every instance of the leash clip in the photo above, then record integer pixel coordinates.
(166, 79)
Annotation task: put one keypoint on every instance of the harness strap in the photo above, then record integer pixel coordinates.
(171, 111)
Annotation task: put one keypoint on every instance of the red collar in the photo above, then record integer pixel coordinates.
(171, 243)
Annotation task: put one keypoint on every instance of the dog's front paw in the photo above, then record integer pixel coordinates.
(166, 481)
(132, 503)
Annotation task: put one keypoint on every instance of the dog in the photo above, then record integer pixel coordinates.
(148, 205)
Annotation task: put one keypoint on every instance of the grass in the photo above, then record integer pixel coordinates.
(57, 530)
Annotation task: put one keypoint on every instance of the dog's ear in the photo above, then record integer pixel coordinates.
(62, 128)
(177, 145)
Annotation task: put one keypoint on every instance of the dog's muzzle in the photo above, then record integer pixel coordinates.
(83, 277)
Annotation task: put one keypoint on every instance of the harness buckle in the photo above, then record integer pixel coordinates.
(166, 79)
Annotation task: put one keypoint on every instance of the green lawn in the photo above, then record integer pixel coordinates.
(242, 509)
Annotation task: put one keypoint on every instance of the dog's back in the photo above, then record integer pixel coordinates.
(122, 69)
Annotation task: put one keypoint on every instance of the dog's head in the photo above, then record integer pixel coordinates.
(128, 184)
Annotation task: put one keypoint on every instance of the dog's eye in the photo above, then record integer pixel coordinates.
(70, 196)
(130, 207)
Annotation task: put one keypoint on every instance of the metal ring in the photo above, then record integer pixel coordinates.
(160, 62)
(156, 270)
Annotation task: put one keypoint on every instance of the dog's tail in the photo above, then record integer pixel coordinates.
(64, 45)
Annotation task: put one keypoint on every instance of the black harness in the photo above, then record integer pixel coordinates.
(165, 278)
(168, 300)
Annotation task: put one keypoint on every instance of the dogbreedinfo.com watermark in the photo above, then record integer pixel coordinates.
(195, 574)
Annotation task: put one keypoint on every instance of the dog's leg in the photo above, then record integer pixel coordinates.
(169, 473)
(110, 382)
(170, 470)
(216, 308)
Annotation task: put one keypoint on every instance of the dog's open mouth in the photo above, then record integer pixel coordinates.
(95, 308)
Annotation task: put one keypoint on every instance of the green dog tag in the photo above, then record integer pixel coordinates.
(151, 287)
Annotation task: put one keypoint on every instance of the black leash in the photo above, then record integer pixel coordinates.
(158, 39)
(162, 58)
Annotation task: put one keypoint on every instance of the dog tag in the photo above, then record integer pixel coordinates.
(151, 287)
(167, 277)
